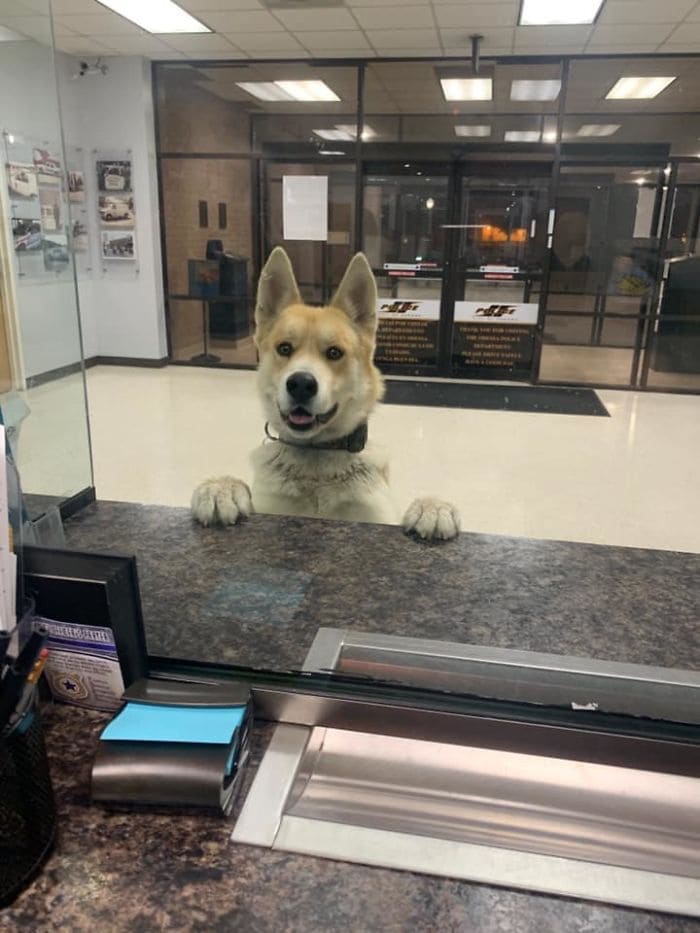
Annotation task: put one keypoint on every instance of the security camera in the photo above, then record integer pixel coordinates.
(85, 68)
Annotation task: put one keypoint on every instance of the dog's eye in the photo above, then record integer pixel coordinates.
(334, 353)
(284, 349)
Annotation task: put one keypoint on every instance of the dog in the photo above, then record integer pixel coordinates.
(318, 385)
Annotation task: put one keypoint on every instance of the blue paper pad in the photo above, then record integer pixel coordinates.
(143, 722)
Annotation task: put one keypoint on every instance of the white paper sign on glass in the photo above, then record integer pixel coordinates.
(305, 207)
(486, 312)
(397, 309)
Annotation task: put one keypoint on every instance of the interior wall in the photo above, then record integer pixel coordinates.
(122, 303)
(45, 311)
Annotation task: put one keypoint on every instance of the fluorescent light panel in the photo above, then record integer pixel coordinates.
(479, 129)
(559, 12)
(522, 136)
(307, 91)
(598, 129)
(335, 136)
(156, 15)
(638, 88)
(351, 128)
(467, 88)
(264, 90)
(535, 90)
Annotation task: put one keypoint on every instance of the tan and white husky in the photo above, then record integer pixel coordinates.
(318, 386)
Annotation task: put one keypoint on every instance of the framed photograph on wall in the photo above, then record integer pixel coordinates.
(114, 175)
(76, 186)
(118, 244)
(22, 181)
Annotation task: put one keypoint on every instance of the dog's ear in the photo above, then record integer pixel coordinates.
(357, 294)
(277, 289)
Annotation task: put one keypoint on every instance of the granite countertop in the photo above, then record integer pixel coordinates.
(178, 871)
(256, 594)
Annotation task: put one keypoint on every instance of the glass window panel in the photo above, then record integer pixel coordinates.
(209, 289)
(589, 365)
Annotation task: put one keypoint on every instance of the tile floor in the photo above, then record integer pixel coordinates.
(631, 479)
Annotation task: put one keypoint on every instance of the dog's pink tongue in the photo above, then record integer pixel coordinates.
(300, 417)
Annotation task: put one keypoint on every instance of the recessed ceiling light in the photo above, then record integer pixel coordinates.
(264, 90)
(479, 129)
(351, 128)
(307, 91)
(156, 15)
(535, 90)
(522, 136)
(467, 88)
(549, 136)
(598, 129)
(634, 88)
(557, 13)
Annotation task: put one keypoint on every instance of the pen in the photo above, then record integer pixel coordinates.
(35, 672)
(27, 657)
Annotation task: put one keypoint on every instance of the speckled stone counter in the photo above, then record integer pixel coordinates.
(256, 594)
(144, 872)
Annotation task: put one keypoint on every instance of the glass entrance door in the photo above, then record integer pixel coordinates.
(501, 240)
(406, 212)
(458, 252)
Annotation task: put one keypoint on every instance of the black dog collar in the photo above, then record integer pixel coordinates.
(353, 443)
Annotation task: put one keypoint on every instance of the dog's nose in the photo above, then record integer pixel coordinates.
(302, 386)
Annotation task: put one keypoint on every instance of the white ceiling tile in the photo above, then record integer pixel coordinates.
(191, 42)
(61, 7)
(82, 45)
(404, 38)
(17, 8)
(493, 38)
(685, 33)
(549, 49)
(318, 19)
(302, 54)
(694, 15)
(544, 36)
(644, 11)
(246, 21)
(135, 45)
(423, 51)
(320, 42)
(264, 41)
(615, 49)
(221, 55)
(354, 3)
(648, 34)
(196, 6)
(60, 30)
(384, 17)
(460, 51)
(99, 24)
(367, 52)
(453, 15)
(34, 27)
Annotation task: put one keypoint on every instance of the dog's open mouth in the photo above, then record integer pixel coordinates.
(299, 419)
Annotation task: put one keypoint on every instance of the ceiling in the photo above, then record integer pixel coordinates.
(245, 29)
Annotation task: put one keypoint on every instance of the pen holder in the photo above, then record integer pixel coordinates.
(27, 808)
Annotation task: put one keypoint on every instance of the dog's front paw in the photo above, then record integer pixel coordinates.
(222, 501)
(432, 520)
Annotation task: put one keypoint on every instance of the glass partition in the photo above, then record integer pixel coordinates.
(43, 401)
(517, 235)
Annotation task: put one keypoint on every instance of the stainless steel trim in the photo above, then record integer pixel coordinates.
(489, 865)
(593, 813)
(464, 728)
(260, 816)
(521, 676)
(325, 650)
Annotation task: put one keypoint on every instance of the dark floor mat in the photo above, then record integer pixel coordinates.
(544, 399)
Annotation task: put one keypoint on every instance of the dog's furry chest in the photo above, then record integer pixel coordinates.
(321, 483)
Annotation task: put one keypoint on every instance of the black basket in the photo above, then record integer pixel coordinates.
(27, 808)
